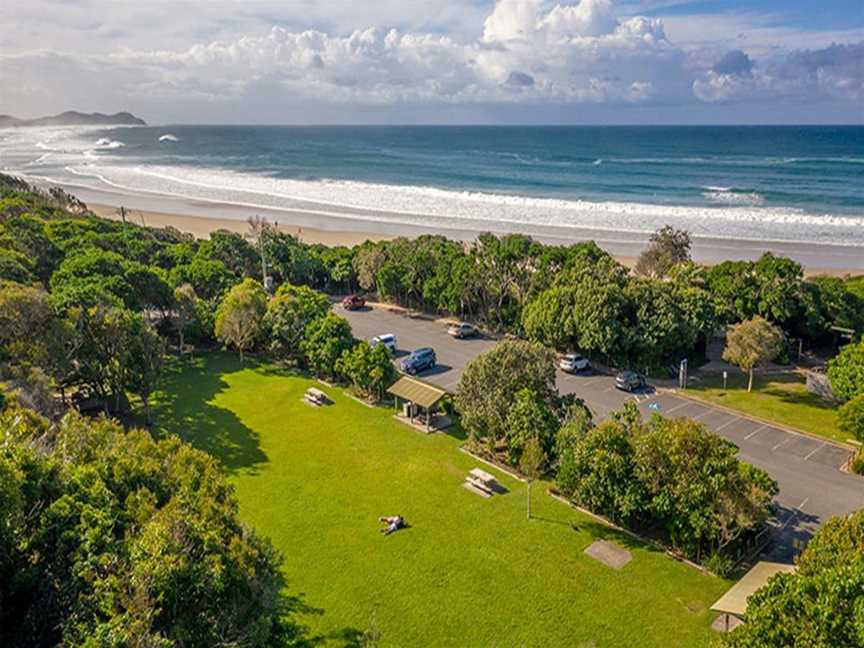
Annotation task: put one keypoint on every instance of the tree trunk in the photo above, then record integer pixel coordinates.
(147, 417)
(529, 498)
(750, 381)
(241, 354)
(181, 343)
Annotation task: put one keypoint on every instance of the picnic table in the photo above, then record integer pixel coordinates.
(315, 396)
(481, 479)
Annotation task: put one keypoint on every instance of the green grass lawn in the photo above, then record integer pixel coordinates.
(468, 572)
(780, 398)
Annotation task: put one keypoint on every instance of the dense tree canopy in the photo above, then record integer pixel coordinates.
(491, 381)
(846, 371)
(752, 343)
(238, 319)
(112, 538)
(821, 604)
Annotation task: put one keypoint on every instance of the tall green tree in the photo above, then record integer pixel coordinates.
(846, 371)
(490, 382)
(325, 340)
(238, 319)
(369, 369)
(667, 248)
(531, 463)
(288, 315)
(751, 344)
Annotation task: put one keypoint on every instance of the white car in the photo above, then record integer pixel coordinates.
(573, 363)
(387, 339)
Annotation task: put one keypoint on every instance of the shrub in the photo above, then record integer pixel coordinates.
(850, 418)
(846, 371)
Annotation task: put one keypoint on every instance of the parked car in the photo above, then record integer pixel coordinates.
(462, 330)
(419, 360)
(629, 380)
(353, 302)
(387, 339)
(573, 363)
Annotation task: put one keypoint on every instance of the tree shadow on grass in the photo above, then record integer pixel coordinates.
(183, 406)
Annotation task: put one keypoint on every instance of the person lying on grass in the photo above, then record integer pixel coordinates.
(394, 523)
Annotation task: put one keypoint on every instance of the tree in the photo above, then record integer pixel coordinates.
(238, 318)
(369, 369)
(25, 313)
(324, 341)
(531, 464)
(598, 470)
(288, 315)
(667, 248)
(185, 311)
(752, 343)
(126, 527)
(144, 363)
(820, 603)
(490, 382)
(850, 418)
(846, 371)
(696, 488)
(529, 418)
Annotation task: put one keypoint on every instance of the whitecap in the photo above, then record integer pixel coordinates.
(168, 137)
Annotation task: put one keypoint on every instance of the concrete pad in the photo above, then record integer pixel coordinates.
(609, 553)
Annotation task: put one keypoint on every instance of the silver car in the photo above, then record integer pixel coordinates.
(387, 339)
(462, 330)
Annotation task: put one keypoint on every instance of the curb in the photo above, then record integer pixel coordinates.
(756, 419)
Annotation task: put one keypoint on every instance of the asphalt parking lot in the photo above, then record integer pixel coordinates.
(812, 487)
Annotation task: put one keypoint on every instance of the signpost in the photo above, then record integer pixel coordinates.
(725, 376)
(682, 374)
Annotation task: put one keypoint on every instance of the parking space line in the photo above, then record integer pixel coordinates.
(761, 427)
(786, 440)
(698, 416)
(677, 407)
(814, 451)
(727, 423)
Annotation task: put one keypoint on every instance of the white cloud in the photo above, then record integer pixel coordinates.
(522, 52)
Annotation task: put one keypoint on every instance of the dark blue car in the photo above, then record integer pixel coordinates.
(419, 360)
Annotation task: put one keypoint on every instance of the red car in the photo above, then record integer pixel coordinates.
(353, 302)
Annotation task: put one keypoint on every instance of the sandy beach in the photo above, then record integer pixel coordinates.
(199, 218)
(202, 226)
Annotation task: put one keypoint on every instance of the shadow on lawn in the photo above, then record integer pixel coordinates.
(184, 407)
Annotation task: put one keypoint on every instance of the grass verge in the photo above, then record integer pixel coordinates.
(779, 398)
(468, 572)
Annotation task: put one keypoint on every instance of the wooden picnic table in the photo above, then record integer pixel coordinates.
(482, 480)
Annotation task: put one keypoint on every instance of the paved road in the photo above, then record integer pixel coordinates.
(812, 488)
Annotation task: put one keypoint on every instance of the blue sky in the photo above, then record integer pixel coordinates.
(450, 61)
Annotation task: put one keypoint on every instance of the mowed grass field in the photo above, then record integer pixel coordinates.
(468, 572)
(779, 398)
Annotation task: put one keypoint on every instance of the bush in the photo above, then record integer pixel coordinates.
(846, 371)
(850, 418)
(719, 564)
(857, 465)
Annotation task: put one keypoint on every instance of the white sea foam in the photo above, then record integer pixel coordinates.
(434, 207)
(730, 196)
(736, 214)
(168, 137)
(106, 143)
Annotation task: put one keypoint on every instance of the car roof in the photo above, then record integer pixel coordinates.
(424, 350)
(385, 336)
(573, 354)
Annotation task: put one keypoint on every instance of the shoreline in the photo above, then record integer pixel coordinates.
(199, 218)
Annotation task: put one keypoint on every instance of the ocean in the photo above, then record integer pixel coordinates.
(792, 184)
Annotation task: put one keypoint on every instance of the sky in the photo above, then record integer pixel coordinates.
(437, 61)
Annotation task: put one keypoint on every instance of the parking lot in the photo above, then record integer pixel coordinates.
(812, 487)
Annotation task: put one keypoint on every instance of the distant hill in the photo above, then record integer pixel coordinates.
(74, 118)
